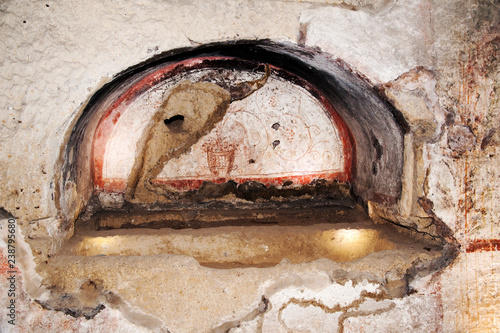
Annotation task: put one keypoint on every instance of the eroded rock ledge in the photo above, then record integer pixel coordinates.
(227, 275)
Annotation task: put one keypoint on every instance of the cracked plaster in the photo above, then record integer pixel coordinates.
(53, 58)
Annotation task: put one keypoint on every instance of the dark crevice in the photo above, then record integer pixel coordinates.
(174, 123)
(173, 119)
(374, 126)
(450, 250)
(4, 214)
(75, 311)
(263, 307)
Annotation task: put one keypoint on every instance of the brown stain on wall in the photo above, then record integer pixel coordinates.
(190, 111)
(202, 106)
(238, 91)
(483, 245)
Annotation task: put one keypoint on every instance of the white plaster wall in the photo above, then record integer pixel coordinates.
(55, 54)
(382, 46)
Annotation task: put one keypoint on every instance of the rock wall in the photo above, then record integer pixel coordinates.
(436, 61)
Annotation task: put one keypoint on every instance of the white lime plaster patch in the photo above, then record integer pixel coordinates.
(382, 46)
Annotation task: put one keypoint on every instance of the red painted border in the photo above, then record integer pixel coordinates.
(483, 245)
(112, 114)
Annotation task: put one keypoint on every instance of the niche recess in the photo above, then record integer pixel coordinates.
(313, 119)
(280, 147)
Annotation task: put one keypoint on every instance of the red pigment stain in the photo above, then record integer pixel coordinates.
(483, 245)
(113, 113)
(344, 132)
(4, 265)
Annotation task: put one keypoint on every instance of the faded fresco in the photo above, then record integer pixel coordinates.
(279, 131)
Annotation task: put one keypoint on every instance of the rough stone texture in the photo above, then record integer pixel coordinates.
(373, 122)
(82, 45)
(221, 298)
(470, 304)
(31, 317)
(54, 55)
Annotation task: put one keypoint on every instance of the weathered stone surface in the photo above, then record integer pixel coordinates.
(55, 55)
(79, 62)
(380, 45)
(241, 246)
(215, 297)
(461, 139)
(372, 123)
(414, 95)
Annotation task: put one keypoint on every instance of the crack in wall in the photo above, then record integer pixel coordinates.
(150, 162)
(346, 313)
(263, 307)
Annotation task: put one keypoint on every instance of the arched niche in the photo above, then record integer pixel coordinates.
(253, 242)
(369, 132)
(284, 131)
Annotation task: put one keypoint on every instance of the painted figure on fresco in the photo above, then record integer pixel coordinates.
(190, 111)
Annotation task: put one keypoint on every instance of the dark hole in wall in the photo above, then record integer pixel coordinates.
(5, 214)
(175, 123)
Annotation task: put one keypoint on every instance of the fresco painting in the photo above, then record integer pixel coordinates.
(281, 131)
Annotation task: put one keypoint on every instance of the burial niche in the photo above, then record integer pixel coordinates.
(239, 155)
